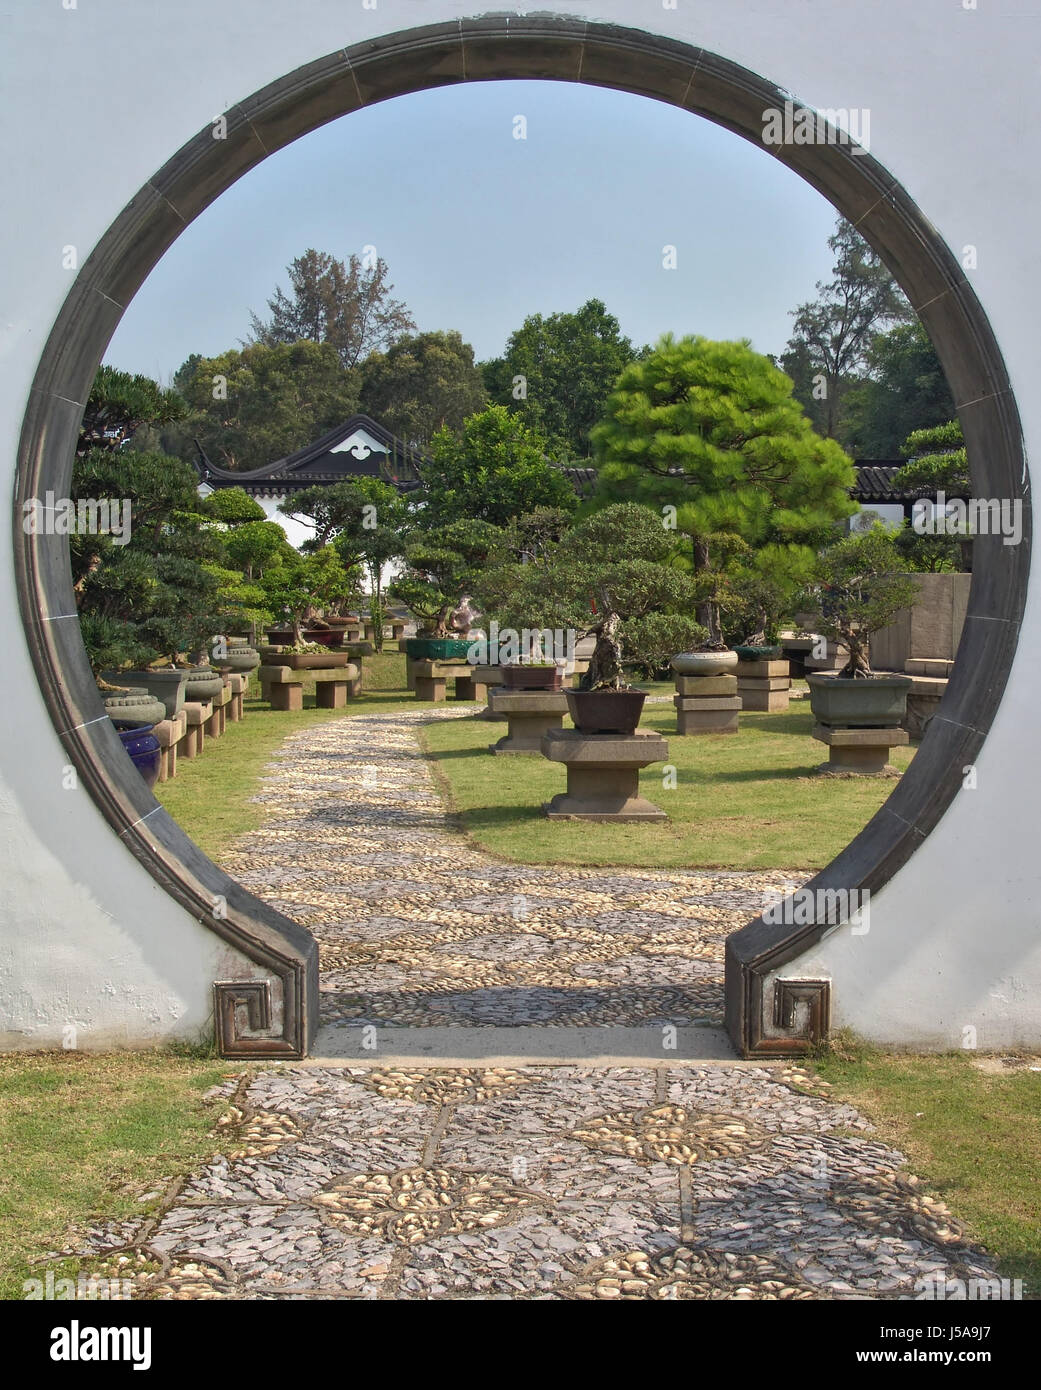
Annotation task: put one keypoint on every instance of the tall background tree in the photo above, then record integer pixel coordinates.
(347, 305)
(365, 521)
(833, 332)
(495, 471)
(905, 389)
(252, 406)
(568, 364)
(421, 384)
(709, 435)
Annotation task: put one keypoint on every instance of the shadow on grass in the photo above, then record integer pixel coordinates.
(478, 818)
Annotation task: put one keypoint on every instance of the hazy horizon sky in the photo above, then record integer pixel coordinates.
(480, 229)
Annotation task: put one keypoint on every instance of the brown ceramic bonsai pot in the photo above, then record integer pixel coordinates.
(531, 677)
(605, 711)
(310, 661)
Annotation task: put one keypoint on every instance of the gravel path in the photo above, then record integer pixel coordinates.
(694, 1181)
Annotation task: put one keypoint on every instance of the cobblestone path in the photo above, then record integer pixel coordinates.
(541, 1183)
(696, 1181)
(416, 928)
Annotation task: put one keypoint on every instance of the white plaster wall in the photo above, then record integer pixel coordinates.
(95, 98)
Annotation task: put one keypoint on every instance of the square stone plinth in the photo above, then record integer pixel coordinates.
(776, 669)
(721, 702)
(765, 696)
(766, 701)
(704, 686)
(711, 716)
(530, 714)
(863, 751)
(603, 775)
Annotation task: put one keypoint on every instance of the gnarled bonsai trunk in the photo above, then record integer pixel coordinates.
(605, 665)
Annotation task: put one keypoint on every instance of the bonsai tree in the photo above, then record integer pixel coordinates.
(495, 471)
(709, 434)
(611, 576)
(155, 595)
(860, 588)
(442, 564)
(937, 461)
(365, 520)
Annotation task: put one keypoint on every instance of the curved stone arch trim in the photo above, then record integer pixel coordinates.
(493, 48)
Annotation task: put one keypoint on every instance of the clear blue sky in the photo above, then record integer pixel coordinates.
(480, 229)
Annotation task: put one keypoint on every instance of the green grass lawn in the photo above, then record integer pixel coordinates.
(742, 801)
(86, 1137)
(973, 1136)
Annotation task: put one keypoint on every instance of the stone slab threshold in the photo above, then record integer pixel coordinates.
(449, 1047)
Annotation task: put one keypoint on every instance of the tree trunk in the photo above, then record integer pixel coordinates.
(605, 665)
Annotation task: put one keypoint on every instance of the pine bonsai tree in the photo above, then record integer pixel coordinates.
(861, 586)
(709, 435)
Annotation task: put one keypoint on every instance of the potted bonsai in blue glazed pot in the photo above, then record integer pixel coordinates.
(135, 714)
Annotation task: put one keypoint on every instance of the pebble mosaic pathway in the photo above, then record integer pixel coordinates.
(534, 1182)
(417, 928)
(700, 1182)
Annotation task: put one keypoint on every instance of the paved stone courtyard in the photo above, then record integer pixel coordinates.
(686, 1181)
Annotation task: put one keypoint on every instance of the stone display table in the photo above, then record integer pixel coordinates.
(530, 714)
(706, 704)
(603, 774)
(170, 732)
(432, 677)
(863, 751)
(492, 679)
(218, 719)
(764, 686)
(923, 700)
(937, 668)
(239, 689)
(284, 688)
(197, 714)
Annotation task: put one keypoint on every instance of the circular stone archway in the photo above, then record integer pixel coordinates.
(281, 1006)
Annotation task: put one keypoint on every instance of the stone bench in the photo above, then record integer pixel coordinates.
(934, 666)
(923, 700)
(283, 688)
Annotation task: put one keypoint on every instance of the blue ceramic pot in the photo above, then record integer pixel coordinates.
(143, 747)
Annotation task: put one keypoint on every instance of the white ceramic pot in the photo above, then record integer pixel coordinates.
(704, 663)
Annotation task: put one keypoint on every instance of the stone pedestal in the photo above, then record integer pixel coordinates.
(706, 704)
(239, 687)
(863, 751)
(170, 732)
(530, 714)
(431, 679)
(492, 679)
(923, 700)
(196, 714)
(603, 775)
(764, 686)
(834, 658)
(284, 688)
